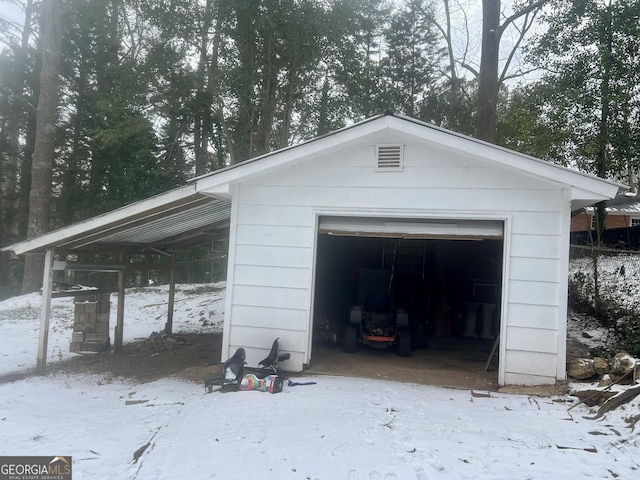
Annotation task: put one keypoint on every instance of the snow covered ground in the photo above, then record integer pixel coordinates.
(198, 309)
(619, 277)
(337, 428)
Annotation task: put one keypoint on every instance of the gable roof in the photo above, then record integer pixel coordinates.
(191, 215)
(585, 189)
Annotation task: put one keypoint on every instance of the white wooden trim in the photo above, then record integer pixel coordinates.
(45, 312)
(118, 334)
(312, 296)
(231, 262)
(504, 299)
(564, 292)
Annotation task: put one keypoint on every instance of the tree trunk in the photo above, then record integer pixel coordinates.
(203, 104)
(268, 100)
(606, 42)
(44, 153)
(455, 112)
(215, 79)
(486, 116)
(323, 110)
(488, 79)
(12, 158)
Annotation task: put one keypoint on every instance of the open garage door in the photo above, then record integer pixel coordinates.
(445, 274)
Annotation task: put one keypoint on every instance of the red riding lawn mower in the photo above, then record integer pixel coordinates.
(374, 320)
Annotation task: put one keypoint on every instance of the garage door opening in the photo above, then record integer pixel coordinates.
(446, 276)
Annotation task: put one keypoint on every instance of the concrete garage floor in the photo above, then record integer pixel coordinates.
(448, 362)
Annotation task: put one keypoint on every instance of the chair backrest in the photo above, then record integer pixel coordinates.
(235, 363)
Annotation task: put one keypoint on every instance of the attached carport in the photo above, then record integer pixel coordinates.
(166, 224)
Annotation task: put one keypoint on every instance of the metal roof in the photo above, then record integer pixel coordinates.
(179, 219)
(624, 203)
(184, 228)
(621, 204)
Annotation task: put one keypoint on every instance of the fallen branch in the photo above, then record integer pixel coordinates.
(480, 394)
(589, 449)
(388, 424)
(632, 421)
(138, 453)
(599, 392)
(616, 401)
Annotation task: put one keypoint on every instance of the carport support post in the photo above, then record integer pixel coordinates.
(117, 341)
(172, 294)
(45, 313)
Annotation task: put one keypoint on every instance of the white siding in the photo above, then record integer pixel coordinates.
(275, 239)
(274, 235)
(271, 297)
(259, 275)
(534, 269)
(399, 196)
(534, 316)
(533, 293)
(524, 363)
(274, 256)
(267, 215)
(536, 339)
(281, 319)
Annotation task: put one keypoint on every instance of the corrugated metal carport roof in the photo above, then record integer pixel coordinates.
(178, 219)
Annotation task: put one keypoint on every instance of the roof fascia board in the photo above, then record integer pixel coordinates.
(581, 198)
(101, 221)
(578, 193)
(222, 190)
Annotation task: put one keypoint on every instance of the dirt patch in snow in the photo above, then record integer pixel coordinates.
(149, 360)
(196, 357)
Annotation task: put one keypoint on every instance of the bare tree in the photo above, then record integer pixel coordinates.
(454, 58)
(488, 77)
(44, 152)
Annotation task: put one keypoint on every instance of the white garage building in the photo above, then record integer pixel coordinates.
(299, 210)
(470, 231)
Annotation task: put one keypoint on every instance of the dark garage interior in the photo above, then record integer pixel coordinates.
(449, 288)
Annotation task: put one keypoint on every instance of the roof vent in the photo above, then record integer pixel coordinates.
(389, 158)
